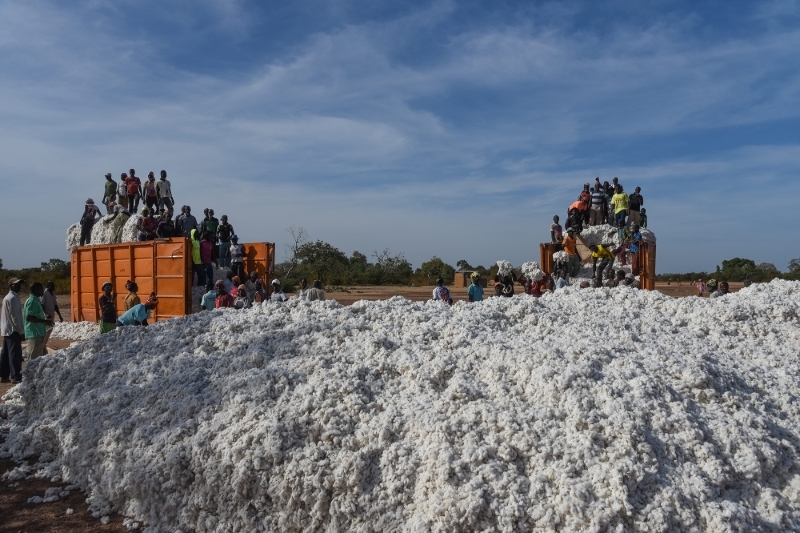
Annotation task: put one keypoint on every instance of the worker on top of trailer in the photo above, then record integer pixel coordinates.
(108, 309)
(571, 247)
(138, 314)
(166, 227)
(188, 223)
(556, 231)
(110, 193)
(164, 190)
(90, 214)
(634, 246)
(117, 221)
(601, 254)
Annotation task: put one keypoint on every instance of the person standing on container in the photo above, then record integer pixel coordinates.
(110, 194)
(12, 327)
(90, 214)
(206, 253)
(621, 202)
(151, 192)
(36, 323)
(50, 305)
(164, 191)
(134, 185)
(236, 254)
(108, 309)
(188, 223)
(224, 233)
(598, 200)
(635, 202)
(122, 191)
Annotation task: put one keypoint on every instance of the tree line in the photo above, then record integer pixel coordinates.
(740, 269)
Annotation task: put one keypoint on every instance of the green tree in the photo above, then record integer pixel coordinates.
(435, 268)
(739, 269)
(794, 265)
(393, 269)
(320, 259)
(1, 264)
(57, 265)
(462, 265)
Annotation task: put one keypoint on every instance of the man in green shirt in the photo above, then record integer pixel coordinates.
(110, 194)
(36, 322)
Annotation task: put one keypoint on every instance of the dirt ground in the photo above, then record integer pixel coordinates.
(16, 515)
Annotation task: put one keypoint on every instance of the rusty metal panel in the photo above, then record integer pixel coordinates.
(260, 257)
(647, 266)
(546, 251)
(171, 271)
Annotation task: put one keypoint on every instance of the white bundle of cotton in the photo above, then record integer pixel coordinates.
(73, 237)
(102, 230)
(504, 268)
(130, 233)
(76, 331)
(532, 271)
(560, 256)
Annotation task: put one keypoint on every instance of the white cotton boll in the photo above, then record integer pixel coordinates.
(130, 233)
(536, 275)
(504, 268)
(105, 520)
(101, 231)
(560, 256)
(70, 511)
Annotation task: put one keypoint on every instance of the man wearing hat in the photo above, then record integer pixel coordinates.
(12, 327)
(110, 194)
(277, 294)
(571, 247)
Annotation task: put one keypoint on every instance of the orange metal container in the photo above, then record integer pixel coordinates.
(163, 266)
(647, 262)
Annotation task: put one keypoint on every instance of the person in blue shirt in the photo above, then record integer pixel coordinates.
(209, 300)
(633, 246)
(475, 291)
(138, 314)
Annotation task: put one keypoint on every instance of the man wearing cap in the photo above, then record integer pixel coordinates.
(36, 323)
(108, 309)
(571, 247)
(90, 214)
(110, 194)
(138, 314)
(12, 326)
(277, 294)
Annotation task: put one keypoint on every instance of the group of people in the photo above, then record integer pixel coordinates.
(230, 292)
(32, 321)
(602, 204)
(712, 288)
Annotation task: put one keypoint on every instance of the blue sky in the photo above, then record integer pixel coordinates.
(455, 129)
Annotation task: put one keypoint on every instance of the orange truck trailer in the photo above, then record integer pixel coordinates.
(163, 266)
(647, 260)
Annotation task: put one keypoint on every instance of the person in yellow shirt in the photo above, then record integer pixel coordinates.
(621, 203)
(601, 254)
(571, 247)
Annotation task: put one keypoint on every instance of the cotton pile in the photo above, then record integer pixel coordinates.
(584, 410)
(606, 234)
(101, 233)
(76, 331)
(504, 268)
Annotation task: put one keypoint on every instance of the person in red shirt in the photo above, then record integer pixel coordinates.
(147, 226)
(134, 185)
(586, 197)
(206, 252)
(223, 298)
(150, 193)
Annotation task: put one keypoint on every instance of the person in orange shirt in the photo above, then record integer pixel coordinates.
(581, 205)
(571, 247)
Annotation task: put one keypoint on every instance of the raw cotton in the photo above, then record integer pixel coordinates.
(583, 410)
(101, 233)
(504, 268)
(76, 331)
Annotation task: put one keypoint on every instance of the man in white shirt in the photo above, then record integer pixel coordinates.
(277, 294)
(315, 292)
(164, 190)
(12, 327)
